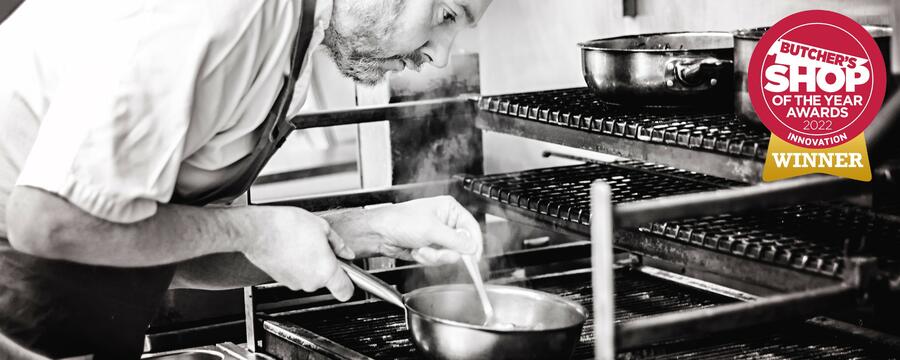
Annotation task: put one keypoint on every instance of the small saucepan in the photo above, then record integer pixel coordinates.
(683, 69)
(445, 321)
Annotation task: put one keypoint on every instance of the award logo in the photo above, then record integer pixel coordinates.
(816, 80)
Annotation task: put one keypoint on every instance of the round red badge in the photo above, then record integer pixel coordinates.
(816, 79)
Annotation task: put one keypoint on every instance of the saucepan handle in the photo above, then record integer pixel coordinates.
(371, 284)
(690, 72)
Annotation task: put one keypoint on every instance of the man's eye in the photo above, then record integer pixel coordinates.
(448, 16)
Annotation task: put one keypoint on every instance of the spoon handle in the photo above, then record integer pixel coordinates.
(475, 273)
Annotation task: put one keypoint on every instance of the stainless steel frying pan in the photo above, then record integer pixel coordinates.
(446, 320)
(683, 69)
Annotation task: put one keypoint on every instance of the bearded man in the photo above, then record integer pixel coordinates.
(121, 119)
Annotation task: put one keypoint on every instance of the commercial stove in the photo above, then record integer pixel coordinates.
(376, 330)
(708, 264)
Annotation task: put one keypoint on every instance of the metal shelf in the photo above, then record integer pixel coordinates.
(807, 238)
(716, 144)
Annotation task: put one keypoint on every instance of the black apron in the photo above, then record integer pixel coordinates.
(63, 309)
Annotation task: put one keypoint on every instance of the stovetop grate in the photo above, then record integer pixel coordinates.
(807, 237)
(579, 108)
(378, 329)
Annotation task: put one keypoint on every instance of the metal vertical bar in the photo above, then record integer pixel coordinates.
(602, 272)
(250, 318)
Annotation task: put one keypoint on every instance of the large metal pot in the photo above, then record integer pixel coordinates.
(445, 320)
(683, 69)
(745, 42)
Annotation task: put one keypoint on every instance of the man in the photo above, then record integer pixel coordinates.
(118, 118)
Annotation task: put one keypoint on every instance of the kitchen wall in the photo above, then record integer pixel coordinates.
(531, 44)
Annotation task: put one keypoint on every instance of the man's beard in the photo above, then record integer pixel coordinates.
(360, 58)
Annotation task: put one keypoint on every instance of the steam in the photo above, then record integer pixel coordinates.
(438, 146)
(436, 164)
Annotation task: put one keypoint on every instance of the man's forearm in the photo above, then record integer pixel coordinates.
(232, 270)
(218, 272)
(46, 225)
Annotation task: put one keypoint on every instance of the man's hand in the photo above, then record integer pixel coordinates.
(298, 250)
(431, 231)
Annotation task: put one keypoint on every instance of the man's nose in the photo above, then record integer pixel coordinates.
(438, 49)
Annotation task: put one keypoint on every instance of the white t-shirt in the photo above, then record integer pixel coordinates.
(116, 104)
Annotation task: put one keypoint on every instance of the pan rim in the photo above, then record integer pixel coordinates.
(877, 31)
(754, 33)
(588, 45)
(578, 308)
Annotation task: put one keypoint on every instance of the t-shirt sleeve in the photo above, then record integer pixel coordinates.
(112, 139)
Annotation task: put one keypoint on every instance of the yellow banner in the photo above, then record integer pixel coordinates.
(849, 160)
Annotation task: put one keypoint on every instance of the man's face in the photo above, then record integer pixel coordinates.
(368, 38)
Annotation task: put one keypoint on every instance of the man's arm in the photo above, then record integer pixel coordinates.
(231, 270)
(424, 230)
(45, 225)
(295, 247)
(238, 246)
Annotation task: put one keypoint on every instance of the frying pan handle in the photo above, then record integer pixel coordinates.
(371, 284)
(694, 73)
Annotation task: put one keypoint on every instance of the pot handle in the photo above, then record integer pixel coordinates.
(371, 284)
(694, 73)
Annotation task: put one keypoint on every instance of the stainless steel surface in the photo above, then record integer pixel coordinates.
(547, 326)
(668, 69)
(745, 41)
(239, 352)
(697, 283)
(284, 337)
(443, 326)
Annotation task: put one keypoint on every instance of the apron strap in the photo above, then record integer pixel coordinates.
(276, 127)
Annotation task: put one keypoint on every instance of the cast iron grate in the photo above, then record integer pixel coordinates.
(579, 108)
(807, 237)
(378, 330)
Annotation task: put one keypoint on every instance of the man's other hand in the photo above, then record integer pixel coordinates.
(431, 231)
